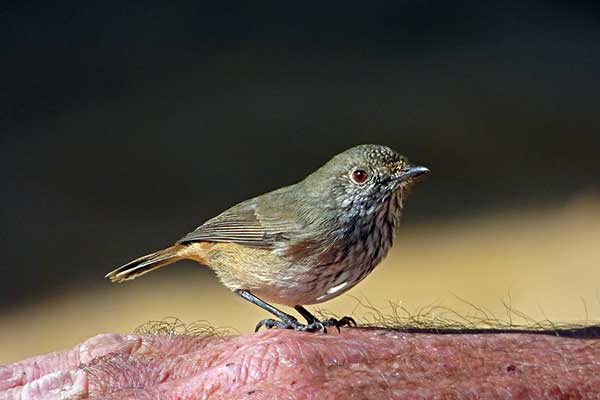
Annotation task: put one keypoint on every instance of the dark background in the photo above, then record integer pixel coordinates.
(125, 125)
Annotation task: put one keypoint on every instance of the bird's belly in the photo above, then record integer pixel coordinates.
(340, 278)
(284, 280)
(309, 285)
(295, 284)
(316, 283)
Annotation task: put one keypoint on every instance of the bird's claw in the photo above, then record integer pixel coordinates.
(315, 326)
(274, 323)
(338, 323)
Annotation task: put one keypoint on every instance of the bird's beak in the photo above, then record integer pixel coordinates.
(412, 172)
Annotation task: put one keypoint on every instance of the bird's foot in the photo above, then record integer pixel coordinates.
(287, 323)
(314, 326)
(338, 323)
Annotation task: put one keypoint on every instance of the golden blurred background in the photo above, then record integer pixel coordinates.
(124, 125)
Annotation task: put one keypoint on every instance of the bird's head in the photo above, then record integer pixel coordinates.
(362, 178)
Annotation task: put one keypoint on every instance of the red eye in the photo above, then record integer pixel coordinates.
(359, 176)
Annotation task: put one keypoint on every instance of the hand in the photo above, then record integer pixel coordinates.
(282, 364)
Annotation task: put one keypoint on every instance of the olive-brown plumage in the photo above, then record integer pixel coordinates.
(301, 244)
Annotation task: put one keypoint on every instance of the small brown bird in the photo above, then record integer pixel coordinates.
(301, 244)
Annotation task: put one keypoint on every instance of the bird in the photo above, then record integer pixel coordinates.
(302, 244)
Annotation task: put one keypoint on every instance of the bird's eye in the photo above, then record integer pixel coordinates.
(359, 176)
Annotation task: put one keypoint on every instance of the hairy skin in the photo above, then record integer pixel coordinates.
(372, 363)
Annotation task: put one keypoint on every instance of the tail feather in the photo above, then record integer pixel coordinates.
(145, 264)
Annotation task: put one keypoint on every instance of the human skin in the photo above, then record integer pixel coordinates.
(373, 363)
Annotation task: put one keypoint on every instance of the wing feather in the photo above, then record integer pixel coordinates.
(243, 224)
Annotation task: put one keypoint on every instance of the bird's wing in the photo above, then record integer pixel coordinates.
(244, 224)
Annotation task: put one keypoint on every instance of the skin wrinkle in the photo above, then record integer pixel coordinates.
(158, 358)
(140, 371)
(35, 367)
(212, 380)
(49, 386)
(358, 362)
(256, 364)
(265, 356)
(211, 357)
(277, 352)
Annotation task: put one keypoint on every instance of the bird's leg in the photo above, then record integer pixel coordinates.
(306, 314)
(286, 321)
(315, 324)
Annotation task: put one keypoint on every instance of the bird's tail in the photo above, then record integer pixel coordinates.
(145, 264)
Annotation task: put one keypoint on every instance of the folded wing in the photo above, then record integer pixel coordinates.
(245, 224)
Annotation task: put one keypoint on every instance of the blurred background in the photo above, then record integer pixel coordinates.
(125, 125)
